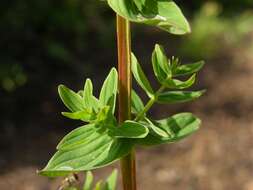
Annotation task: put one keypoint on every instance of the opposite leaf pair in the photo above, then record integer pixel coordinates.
(103, 140)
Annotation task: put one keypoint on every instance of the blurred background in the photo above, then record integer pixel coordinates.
(46, 43)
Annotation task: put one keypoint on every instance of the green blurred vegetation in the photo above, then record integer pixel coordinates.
(40, 36)
(213, 33)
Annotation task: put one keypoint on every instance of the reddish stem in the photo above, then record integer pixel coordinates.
(125, 85)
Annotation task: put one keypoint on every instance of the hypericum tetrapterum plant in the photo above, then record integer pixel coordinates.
(103, 139)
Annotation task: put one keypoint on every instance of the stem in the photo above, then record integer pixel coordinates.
(125, 85)
(149, 104)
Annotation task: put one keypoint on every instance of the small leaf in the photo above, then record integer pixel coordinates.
(164, 14)
(179, 125)
(182, 124)
(111, 181)
(109, 90)
(160, 64)
(188, 69)
(103, 114)
(156, 129)
(98, 185)
(86, 148)
(129, 129)
(72, 100)
(87, 94)
(173, 97)
(178, 84)
(137, 104)
(88, 181)
(84, 115)
(140, 77)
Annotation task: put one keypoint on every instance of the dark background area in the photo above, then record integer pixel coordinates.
(47, 43)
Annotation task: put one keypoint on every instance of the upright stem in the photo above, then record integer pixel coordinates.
(125, 85)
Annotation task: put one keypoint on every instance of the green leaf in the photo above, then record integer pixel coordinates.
(140, 77)
(156, 130)
(103, 114)
(72, 100)
(188, 69)
(88, 181)
(178, 84)
(160, 64)
(173, 97)
(180, 126)
(164, 14)
(111, 181)
(129, 129)
(87, 94)
(136, 102)
(86, 148)
(109, 90)
(98, 185)
(85, 115)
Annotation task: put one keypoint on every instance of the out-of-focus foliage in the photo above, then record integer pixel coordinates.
(231, 6)
(37, 35)
(212, 32)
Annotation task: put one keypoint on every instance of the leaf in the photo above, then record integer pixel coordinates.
(136, 102)
(178, 84)
(87, 94)
(129, 129)
(88, 181)
(188, 69)
(140, 77)
(160, 64)
(103, 114)
(109, 89)
(85, 115)
(172, 97)
(111, 181)
(86, 148)
(72, 100)
(164, 14)
(98, 185)
(156, 129)
(180, 126)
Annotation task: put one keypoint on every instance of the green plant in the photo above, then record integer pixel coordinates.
(104, 139)
(109, 184)
(210, 14)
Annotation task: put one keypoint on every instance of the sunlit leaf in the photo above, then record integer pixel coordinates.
(137, 104)
(156, 130)
(160, 64)
(98, 185)
(85, 115)
(109, 89)
(172, 97)
(178, 84)
(179, 126)
(88, 181)
(140, 77)
(111, 181)
(164, 14)
(188, 69)
(72, 100)
(86, 148)
(129, 129)
(87, 94)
